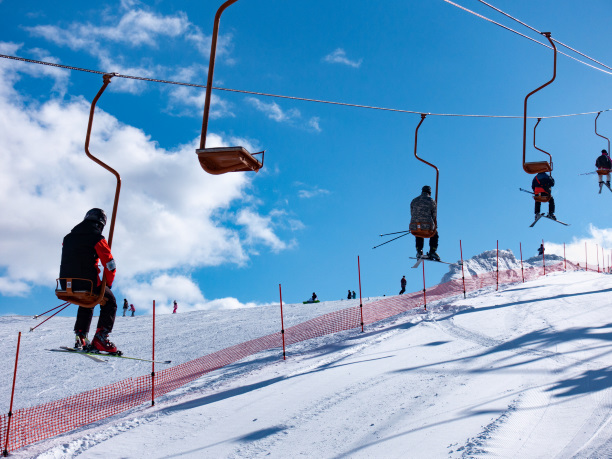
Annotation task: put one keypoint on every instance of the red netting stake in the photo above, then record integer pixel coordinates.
(53, 309)
(497, 267)
(53, 315)
(522, 272)
(153, 361)
(360, 300)
(424, 291)
(543, 259)
(280, 292)
(462, 273)
(597, 253)
(10, 413)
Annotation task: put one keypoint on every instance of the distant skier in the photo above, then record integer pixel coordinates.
(175, 307)
(604, 164)
(125, 306)
(350, 295)
(354, 295)
(541, 185)
(423, 210)
(541, 249)
(403, 283)
(314, 297)
(82, 248)
(133, 309)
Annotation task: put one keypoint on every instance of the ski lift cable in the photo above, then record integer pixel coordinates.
(280, 96)
(532, 39)
(537, 31)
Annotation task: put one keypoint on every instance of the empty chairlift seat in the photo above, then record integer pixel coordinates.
(229, 159)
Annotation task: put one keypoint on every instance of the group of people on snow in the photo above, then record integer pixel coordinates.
(127, 307)
(351, 295)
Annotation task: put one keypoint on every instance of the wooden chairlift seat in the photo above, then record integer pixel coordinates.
(83, 297)
(541, 197)
(536, 167)
(423, 229)
(603, 171)
(218, 161)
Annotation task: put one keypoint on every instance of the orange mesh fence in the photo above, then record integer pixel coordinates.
(30, 425)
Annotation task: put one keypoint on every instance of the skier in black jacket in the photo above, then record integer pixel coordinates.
(541, 185)
(82, 248)
(603, 164)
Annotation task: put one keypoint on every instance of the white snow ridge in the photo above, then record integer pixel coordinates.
(523, 372)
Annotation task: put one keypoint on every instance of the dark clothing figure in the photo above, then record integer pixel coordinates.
(541, 185)
(125, 306)
(314, 297)
(541, 249)
(350, 295)
(403, 283)
(423, 216)
(354, 295)
(82, 248)
(603, 164)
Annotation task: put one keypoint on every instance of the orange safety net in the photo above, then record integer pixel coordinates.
(30, 425)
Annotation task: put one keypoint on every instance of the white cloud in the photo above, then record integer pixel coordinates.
(260, 229)
(170, 211)
(273, 111)
(597, 244)
(314, 123)
(10, 287)
(312, 192)
(338, 56)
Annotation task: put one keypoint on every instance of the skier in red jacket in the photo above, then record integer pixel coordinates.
(82, 248)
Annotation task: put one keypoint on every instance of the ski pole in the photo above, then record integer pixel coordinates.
(33, 328)
(526, 191)
(397, 232)
(38, 315)
(406, 234)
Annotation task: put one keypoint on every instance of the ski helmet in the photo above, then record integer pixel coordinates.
(426, 189)
(96, 215)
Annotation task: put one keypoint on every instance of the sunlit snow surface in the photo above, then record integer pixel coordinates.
(523, 372)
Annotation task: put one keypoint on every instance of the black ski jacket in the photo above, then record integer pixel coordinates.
(603, 162)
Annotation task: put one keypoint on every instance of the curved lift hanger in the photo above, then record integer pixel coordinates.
(538, 166)
(425, 230)
(545, 198)
(226, 159)
(602, 171)
(63, 290)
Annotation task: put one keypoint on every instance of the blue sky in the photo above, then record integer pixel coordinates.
(334, 177)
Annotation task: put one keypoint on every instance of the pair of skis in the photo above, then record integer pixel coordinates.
(97, 356)
(420, 260)
(538, 216)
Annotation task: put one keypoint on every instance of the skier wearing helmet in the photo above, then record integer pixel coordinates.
(603, 164)
(82, 248)
(423, 210)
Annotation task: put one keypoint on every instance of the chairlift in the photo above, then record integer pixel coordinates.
(538, 166)
(226, 159)
(74, 290)
(424, 229)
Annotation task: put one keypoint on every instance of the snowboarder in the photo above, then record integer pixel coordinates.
(541, 249)
(403, 283)
(541, 185)
(314, 297)
(604, 164)
(423, 210)
(125, 306)
(175, 307)
(82, 248)
(133, 309)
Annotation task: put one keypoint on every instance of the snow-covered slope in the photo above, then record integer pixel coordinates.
(523, 372)
(487, 262)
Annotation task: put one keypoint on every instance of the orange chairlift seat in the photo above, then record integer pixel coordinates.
(538, 166)
(424, 229)
(226, 159)
(65, 289)
(602, 171)
(540, 197)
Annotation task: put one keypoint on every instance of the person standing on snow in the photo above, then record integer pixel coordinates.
(603, 163)
(541, 249)
(125, 306)
(175, 307)
(403, 283)
(354, 295)
(423, 210)
(541, 185)
(82, 248)
(133, 309)
(350, 295)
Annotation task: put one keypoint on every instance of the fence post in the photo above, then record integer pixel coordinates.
(360, 300)
(153, 361)
(462, 273)
(280, 292)
(497, 267)
(521, 249)
(424, 291)
(10, 413)
(597, 253)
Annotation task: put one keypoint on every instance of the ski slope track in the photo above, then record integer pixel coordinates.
(525, 371)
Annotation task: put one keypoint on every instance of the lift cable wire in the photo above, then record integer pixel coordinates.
(537, 31)
(532, 39)
(263, 94)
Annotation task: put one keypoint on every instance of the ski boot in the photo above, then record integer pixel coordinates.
(81, 341)
(551, 215)
(102, 343)
(432, 255)
(419, 253)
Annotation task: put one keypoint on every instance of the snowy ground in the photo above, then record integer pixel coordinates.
(524, 372)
